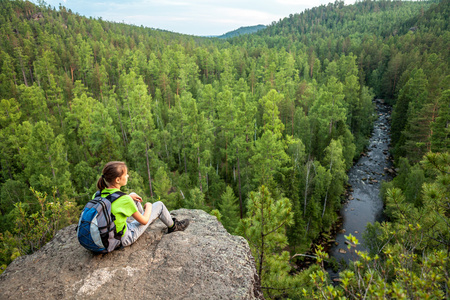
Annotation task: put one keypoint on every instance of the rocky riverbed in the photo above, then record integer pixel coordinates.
(363, 203)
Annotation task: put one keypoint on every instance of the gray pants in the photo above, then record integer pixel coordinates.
(136, 229)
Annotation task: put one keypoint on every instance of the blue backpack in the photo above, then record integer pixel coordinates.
(96, 230)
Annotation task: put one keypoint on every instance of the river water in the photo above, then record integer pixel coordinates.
(364, 204)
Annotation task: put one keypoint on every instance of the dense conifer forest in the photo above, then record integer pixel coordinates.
(258, 130)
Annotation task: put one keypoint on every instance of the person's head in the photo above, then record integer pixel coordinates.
(115, 173)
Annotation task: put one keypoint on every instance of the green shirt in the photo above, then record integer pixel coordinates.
(122, 208)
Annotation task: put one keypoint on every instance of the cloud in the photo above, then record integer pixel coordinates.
(236, 15)
(204, 14)
(299, 2)
(169, 3)
(200, 17)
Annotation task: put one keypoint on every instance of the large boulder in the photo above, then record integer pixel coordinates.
(203, 262)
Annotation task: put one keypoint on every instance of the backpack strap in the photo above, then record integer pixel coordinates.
(111, 198)
(114, 196)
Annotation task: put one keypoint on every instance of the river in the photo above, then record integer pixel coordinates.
(364, 204)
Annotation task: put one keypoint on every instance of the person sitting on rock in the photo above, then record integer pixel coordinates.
(114, 176)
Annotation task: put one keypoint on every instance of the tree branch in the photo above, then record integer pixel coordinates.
(265, 234)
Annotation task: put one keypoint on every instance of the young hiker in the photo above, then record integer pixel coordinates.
(115, 176)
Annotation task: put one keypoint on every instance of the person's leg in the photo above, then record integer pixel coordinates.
(160, 211)
(136, 229)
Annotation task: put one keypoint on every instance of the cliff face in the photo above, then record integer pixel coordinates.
(203, 262)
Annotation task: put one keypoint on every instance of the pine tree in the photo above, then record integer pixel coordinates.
(229, 210)
(296, 232)
(414, 89)
(242, 147)
(265, 230)
(200, 138)
(326, 113)
(270, 152)
(33, 103)
(9, 120)
(440, 126)
(8, 76)
(162, 188)
(196, 200)
(46, 164)
(226, 118)
(90, 130)
(141, 126)
(335, 164)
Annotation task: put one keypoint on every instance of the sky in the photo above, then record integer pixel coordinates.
(194, 17)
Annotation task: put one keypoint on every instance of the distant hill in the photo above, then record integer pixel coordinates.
(241, 31)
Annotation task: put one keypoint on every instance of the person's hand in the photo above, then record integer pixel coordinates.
(135, 197)
(147, 205)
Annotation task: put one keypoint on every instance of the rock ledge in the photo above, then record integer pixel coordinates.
(203, 262)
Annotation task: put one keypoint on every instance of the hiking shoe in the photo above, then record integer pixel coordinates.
(178, 225)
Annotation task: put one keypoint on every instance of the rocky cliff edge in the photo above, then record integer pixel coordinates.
(203, 262)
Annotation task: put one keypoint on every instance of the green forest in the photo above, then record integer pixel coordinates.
(258, 130)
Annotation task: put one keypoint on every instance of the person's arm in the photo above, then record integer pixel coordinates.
(135, 197)
(143, 218)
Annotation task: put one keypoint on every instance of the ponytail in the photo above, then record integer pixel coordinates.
(110, 172)
(101, 184)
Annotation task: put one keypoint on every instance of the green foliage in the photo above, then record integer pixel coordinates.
(402, 274)
(334, 161)
(45, 163)
(13, 192)
(162, 183)
(35, 226)
(196, 200)
(135, 183)
(265, 229)
(428, 205)
(217, 214)
(270, 152)
(9, 249)
(164, 190)
(229, 210)
(411, 95)
(85, 181)
(440, 140)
